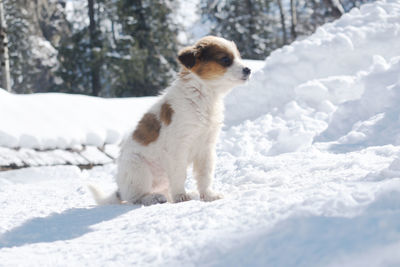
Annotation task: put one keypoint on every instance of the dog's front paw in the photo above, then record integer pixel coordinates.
(152, 199)
(210, 196)
(182, 197)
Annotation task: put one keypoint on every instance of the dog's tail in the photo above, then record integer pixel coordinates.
(102, 199)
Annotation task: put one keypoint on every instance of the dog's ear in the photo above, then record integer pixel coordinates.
(187, 56)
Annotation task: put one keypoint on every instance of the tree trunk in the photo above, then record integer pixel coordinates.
(337, 8)
(95, 68)
(293, 13)
(282, 21)
(251, 26)
(4, 59)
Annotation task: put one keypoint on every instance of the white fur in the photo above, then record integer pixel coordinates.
(146, 171)
(102, 199)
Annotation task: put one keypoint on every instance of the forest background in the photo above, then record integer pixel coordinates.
(121, 48)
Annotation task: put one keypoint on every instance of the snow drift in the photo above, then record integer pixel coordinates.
(339, 85)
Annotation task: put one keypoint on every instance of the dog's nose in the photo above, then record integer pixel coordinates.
(246, 71)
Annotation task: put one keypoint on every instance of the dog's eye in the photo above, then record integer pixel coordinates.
(226, 61)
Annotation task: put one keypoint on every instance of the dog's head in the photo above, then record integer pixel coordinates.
(216, 61)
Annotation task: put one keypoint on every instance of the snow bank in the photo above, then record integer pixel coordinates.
(373, 119)
(63, 121)
(340, 84)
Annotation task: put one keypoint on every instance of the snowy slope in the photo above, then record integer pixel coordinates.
(309, 163)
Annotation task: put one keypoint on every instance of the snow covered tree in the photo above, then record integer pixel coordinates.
(144, 59)
(249, 23)
(133, 47)
(312, 14)
(20, 52)
(74, 69)
(35, 28)
(4, 59)
(78, 54)
(258, 27)
(349, 4)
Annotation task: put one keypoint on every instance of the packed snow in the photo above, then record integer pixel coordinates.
(308, 162)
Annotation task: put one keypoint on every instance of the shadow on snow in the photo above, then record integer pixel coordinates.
(67, 225)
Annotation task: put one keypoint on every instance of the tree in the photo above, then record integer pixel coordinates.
(127, 49)
(282, 15)
(337, 8)
(349, 4)
(249, 23)
(312, 14)
(35, 28)
(4, 60)
(94, 48)
(293, 16)
(258, 27)
(74, 70)
(144, 59)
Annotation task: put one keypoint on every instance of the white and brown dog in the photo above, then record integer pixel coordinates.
(180, 129)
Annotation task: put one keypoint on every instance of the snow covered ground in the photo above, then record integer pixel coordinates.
(309, 163)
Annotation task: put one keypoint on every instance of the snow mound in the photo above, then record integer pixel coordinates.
(373, 119)
(340, 85)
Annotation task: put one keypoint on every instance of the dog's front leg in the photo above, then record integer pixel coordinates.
(177, 177)
(203, 168)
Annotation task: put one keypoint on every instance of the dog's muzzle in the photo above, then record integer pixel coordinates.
(246, 73)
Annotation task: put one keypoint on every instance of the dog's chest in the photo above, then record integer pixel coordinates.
(208, 112)
(206, 131)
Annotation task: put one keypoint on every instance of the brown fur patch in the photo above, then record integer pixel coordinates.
(147, 130)
(166, 113)
(209, 69)
(187, 56)
(214, 50)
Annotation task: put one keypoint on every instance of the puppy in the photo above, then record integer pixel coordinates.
(180, 129)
